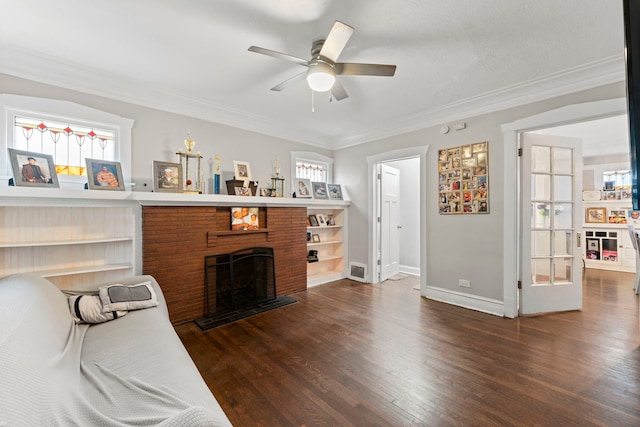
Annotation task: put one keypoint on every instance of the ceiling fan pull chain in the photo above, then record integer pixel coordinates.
(313, 108)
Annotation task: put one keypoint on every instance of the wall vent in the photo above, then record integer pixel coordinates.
(358, 272)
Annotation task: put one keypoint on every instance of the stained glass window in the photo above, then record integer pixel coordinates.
(313, 171)
(68, 143)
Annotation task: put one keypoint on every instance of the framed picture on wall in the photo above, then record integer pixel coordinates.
(596, 215)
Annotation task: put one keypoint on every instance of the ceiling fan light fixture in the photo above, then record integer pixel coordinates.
(321, 76)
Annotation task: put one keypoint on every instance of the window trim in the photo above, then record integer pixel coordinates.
(59, 110)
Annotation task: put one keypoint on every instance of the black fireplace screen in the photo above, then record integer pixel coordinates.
(238, 280)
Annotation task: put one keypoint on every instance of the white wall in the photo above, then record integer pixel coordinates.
(409, 214)
(458, 246)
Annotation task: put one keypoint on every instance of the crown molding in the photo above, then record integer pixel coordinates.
(598, 73)
(27, 64)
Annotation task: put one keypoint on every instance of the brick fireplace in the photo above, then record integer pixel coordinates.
(176, 240)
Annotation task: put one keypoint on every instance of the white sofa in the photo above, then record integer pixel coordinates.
(130, 371)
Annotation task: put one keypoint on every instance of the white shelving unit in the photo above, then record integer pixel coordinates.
(74, 241)
(332, 247)
(608, 246)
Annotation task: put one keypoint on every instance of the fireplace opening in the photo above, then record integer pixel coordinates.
(239, 284)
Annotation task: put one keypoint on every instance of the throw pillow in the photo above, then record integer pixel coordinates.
(88, 309)
(127, 297)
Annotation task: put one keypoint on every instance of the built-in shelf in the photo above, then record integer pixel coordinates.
(83, 270)
(330, 242)
(64, 242)
(331, 248)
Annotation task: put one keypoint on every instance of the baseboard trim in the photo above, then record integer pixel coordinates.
(414, 271)
(473, 302)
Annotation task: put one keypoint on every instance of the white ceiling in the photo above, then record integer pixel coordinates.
(603, 136)
(455, 58)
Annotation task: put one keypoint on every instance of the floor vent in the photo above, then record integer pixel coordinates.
(358, 272)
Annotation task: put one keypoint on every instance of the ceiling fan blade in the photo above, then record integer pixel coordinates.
(285, 84)
(336, 41)
(355, 69)
(338, 91)
(279, 55)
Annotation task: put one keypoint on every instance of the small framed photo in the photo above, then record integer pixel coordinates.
(634, 215)
(331, 220)
(313, 220)
(596, 215)
(33, 169)
(104, 175)
(265, 192)
(315, 238)
(335, 191)
(167, 177)
(303, 188)
(321, 220)
(319, 190)
(242, 170)
(242, 191)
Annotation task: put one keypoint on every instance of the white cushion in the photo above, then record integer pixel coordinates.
(88, 309)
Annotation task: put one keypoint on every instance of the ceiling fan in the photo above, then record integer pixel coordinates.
(322, 68)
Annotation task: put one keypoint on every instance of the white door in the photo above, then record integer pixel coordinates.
(389, 222)
(551, 223)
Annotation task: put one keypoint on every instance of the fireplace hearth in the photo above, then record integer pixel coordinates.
(239, 284)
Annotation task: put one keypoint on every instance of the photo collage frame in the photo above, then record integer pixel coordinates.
(463, 179)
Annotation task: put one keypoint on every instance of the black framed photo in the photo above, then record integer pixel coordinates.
(319, 190)
(313, 220)
(167, 177)
(32, 169)
(104, 175)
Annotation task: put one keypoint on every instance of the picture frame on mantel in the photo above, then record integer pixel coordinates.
(104, 175)
(167, 177)
(31, 169)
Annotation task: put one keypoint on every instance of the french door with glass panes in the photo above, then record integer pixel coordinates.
(551, 221)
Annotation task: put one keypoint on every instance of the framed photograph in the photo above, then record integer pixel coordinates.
(33, 169)
(315, 238)
(596, 215)
(322, 221)
(634, 215)
(590, 195)
(265, 192)
(242, 191)
(303, 188)
(244, 218)
(313, 220)
(167, 177)
(335, 191)
(319, 190)
(331, 220)
(242, 170)
(104, 175)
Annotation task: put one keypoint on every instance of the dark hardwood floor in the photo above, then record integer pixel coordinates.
(379, 355)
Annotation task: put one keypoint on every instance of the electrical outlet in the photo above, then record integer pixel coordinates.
(464, 283)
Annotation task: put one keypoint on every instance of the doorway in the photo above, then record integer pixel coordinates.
(513, 244)
(411, 163)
